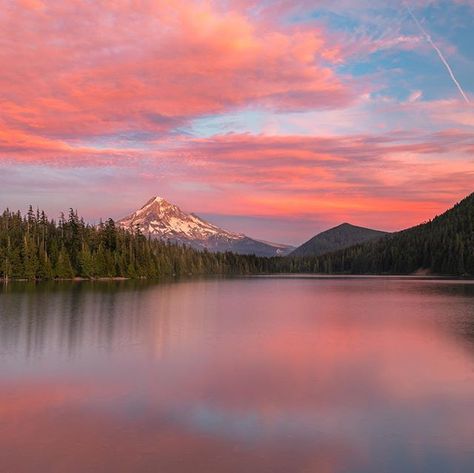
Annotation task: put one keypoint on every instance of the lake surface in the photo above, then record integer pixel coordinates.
(280, 375)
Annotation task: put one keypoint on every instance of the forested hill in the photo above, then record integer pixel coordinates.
(444, 245)
(35, 247)
(337, 238)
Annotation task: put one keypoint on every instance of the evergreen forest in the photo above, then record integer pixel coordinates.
(32, 246)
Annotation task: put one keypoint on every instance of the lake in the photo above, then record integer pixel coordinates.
(263, 374)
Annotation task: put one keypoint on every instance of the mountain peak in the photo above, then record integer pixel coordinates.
(163, 220)
(346, 226)
(156, 200)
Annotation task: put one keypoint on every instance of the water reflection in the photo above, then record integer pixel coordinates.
(265, 374)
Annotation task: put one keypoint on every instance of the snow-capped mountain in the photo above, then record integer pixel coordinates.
(163, 220)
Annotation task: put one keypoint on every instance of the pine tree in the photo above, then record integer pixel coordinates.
(30, 257)
(63, 268)
(87, 267)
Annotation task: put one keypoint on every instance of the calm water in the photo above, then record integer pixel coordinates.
(248, 375)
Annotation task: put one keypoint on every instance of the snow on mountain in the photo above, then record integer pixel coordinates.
(163, 220)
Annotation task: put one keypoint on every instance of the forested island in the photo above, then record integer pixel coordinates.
(35, 247)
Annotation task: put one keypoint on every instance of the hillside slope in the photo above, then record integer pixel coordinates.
(444, 245)
(336, 238)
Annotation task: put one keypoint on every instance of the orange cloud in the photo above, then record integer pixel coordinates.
(390, 181)
(339, 176)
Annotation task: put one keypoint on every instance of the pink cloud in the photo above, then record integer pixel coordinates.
(390, 180)
(79, 69)
(373, 180)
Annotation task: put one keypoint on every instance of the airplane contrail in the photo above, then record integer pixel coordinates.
(440, 54)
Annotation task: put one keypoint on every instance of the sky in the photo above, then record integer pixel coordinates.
(278, 119)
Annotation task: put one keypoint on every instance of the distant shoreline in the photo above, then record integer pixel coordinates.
(77, 279)
(414, 277)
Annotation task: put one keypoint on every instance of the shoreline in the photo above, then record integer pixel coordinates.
(413, 276)
(77, 279)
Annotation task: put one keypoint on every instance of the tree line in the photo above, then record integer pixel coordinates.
(36, 247)
(444, 245)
